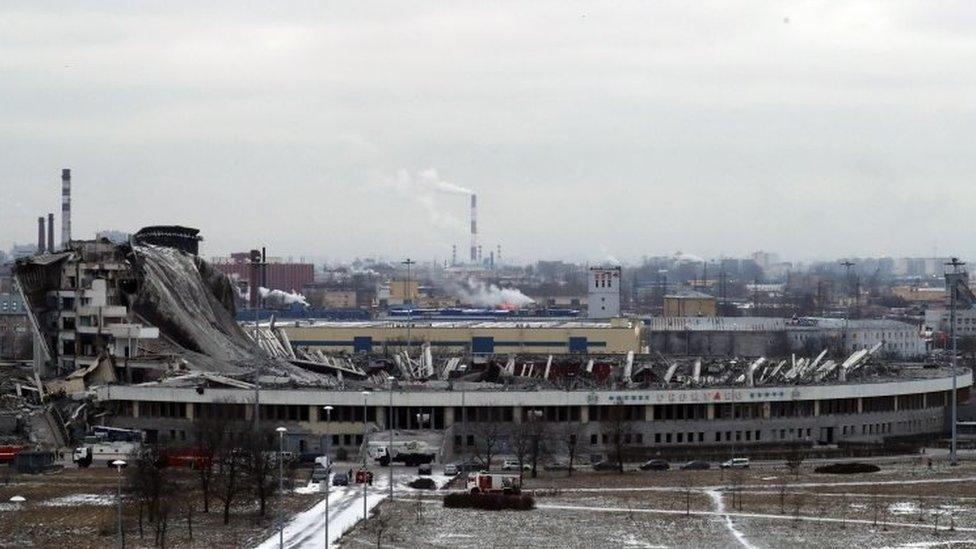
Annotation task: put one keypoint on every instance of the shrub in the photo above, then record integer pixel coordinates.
(423, 484)
(850, 468)
(489, 502)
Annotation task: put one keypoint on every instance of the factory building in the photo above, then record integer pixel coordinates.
(764, 336)
(279, 275)
(618, 336)
(603, 292)
(689, 303)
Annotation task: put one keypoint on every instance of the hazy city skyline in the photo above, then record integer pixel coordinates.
(588, 132)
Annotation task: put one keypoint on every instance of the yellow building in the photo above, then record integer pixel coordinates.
(618, 336)
(690, 304)
(399, 292)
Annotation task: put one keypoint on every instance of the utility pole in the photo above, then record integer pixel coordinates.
(847, 316)
(953, 292)
(406, 292)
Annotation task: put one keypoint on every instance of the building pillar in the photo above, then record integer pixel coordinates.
(710, 410)
(816, 408)
(895, 402)
(649, 412)
(135, 408)
(925, 400)
(584, 414)
(381, 412)
(517, 414)
(860, 405)
(448, 416)
(767, 410)
(189, 411)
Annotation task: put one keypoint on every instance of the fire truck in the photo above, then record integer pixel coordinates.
(494, 483)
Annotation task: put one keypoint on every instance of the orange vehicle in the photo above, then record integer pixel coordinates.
(8, 453)
(364, 476)
(194, 458)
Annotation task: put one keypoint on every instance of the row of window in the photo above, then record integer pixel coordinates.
(417, 417)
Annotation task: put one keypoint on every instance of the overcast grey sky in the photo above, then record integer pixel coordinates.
(588, 130)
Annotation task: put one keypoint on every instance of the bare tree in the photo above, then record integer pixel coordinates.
(620, 430)
(782, 487)
(155, 488)
(259, 466)
(687, 485)
(488, 438)
(798, 501)
(520, 441)
(794, 460)
(571, 433)
(228, 481)
(208, 435)
(737, 481)
(380, 525)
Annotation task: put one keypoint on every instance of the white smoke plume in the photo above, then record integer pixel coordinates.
(481, 294)
(423, 187)
(283, 297)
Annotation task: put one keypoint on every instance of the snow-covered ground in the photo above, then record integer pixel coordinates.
(80, 499)
(307, 529)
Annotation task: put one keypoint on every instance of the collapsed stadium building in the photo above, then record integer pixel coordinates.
(143, 336)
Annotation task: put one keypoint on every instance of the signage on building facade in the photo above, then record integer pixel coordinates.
(697, 396)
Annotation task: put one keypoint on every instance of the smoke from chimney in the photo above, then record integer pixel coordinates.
(65, 207)
(40, 234)
(50, 233)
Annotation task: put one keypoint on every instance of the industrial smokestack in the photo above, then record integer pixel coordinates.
(65, 207)
(40, 234)
(474, 228)
(453, 255)
(50, 233)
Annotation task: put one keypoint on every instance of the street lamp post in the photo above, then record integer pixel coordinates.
(281, 486)
(955, 264)
(119, 464)
(363, 450)
(389, 451)
(328, 472)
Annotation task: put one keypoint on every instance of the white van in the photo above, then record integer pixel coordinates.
(736, 463)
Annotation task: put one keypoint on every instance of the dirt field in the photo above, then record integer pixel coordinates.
(903, 505)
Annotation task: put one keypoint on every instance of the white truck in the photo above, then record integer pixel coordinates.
(408, 452)
(493, 483)
(104, 453)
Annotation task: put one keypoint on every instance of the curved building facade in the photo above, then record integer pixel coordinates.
(912, 405)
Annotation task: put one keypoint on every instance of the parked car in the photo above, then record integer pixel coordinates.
(655, 465)
(471, 465)
(340, 479)
(513, 465)
(557, 466)
(696, 465)
(736, 463)
(424, 469)
(451, 469)
(320, 474)
(606, 465)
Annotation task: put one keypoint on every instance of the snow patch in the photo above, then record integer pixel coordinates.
(720, 508)
(73, 500)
